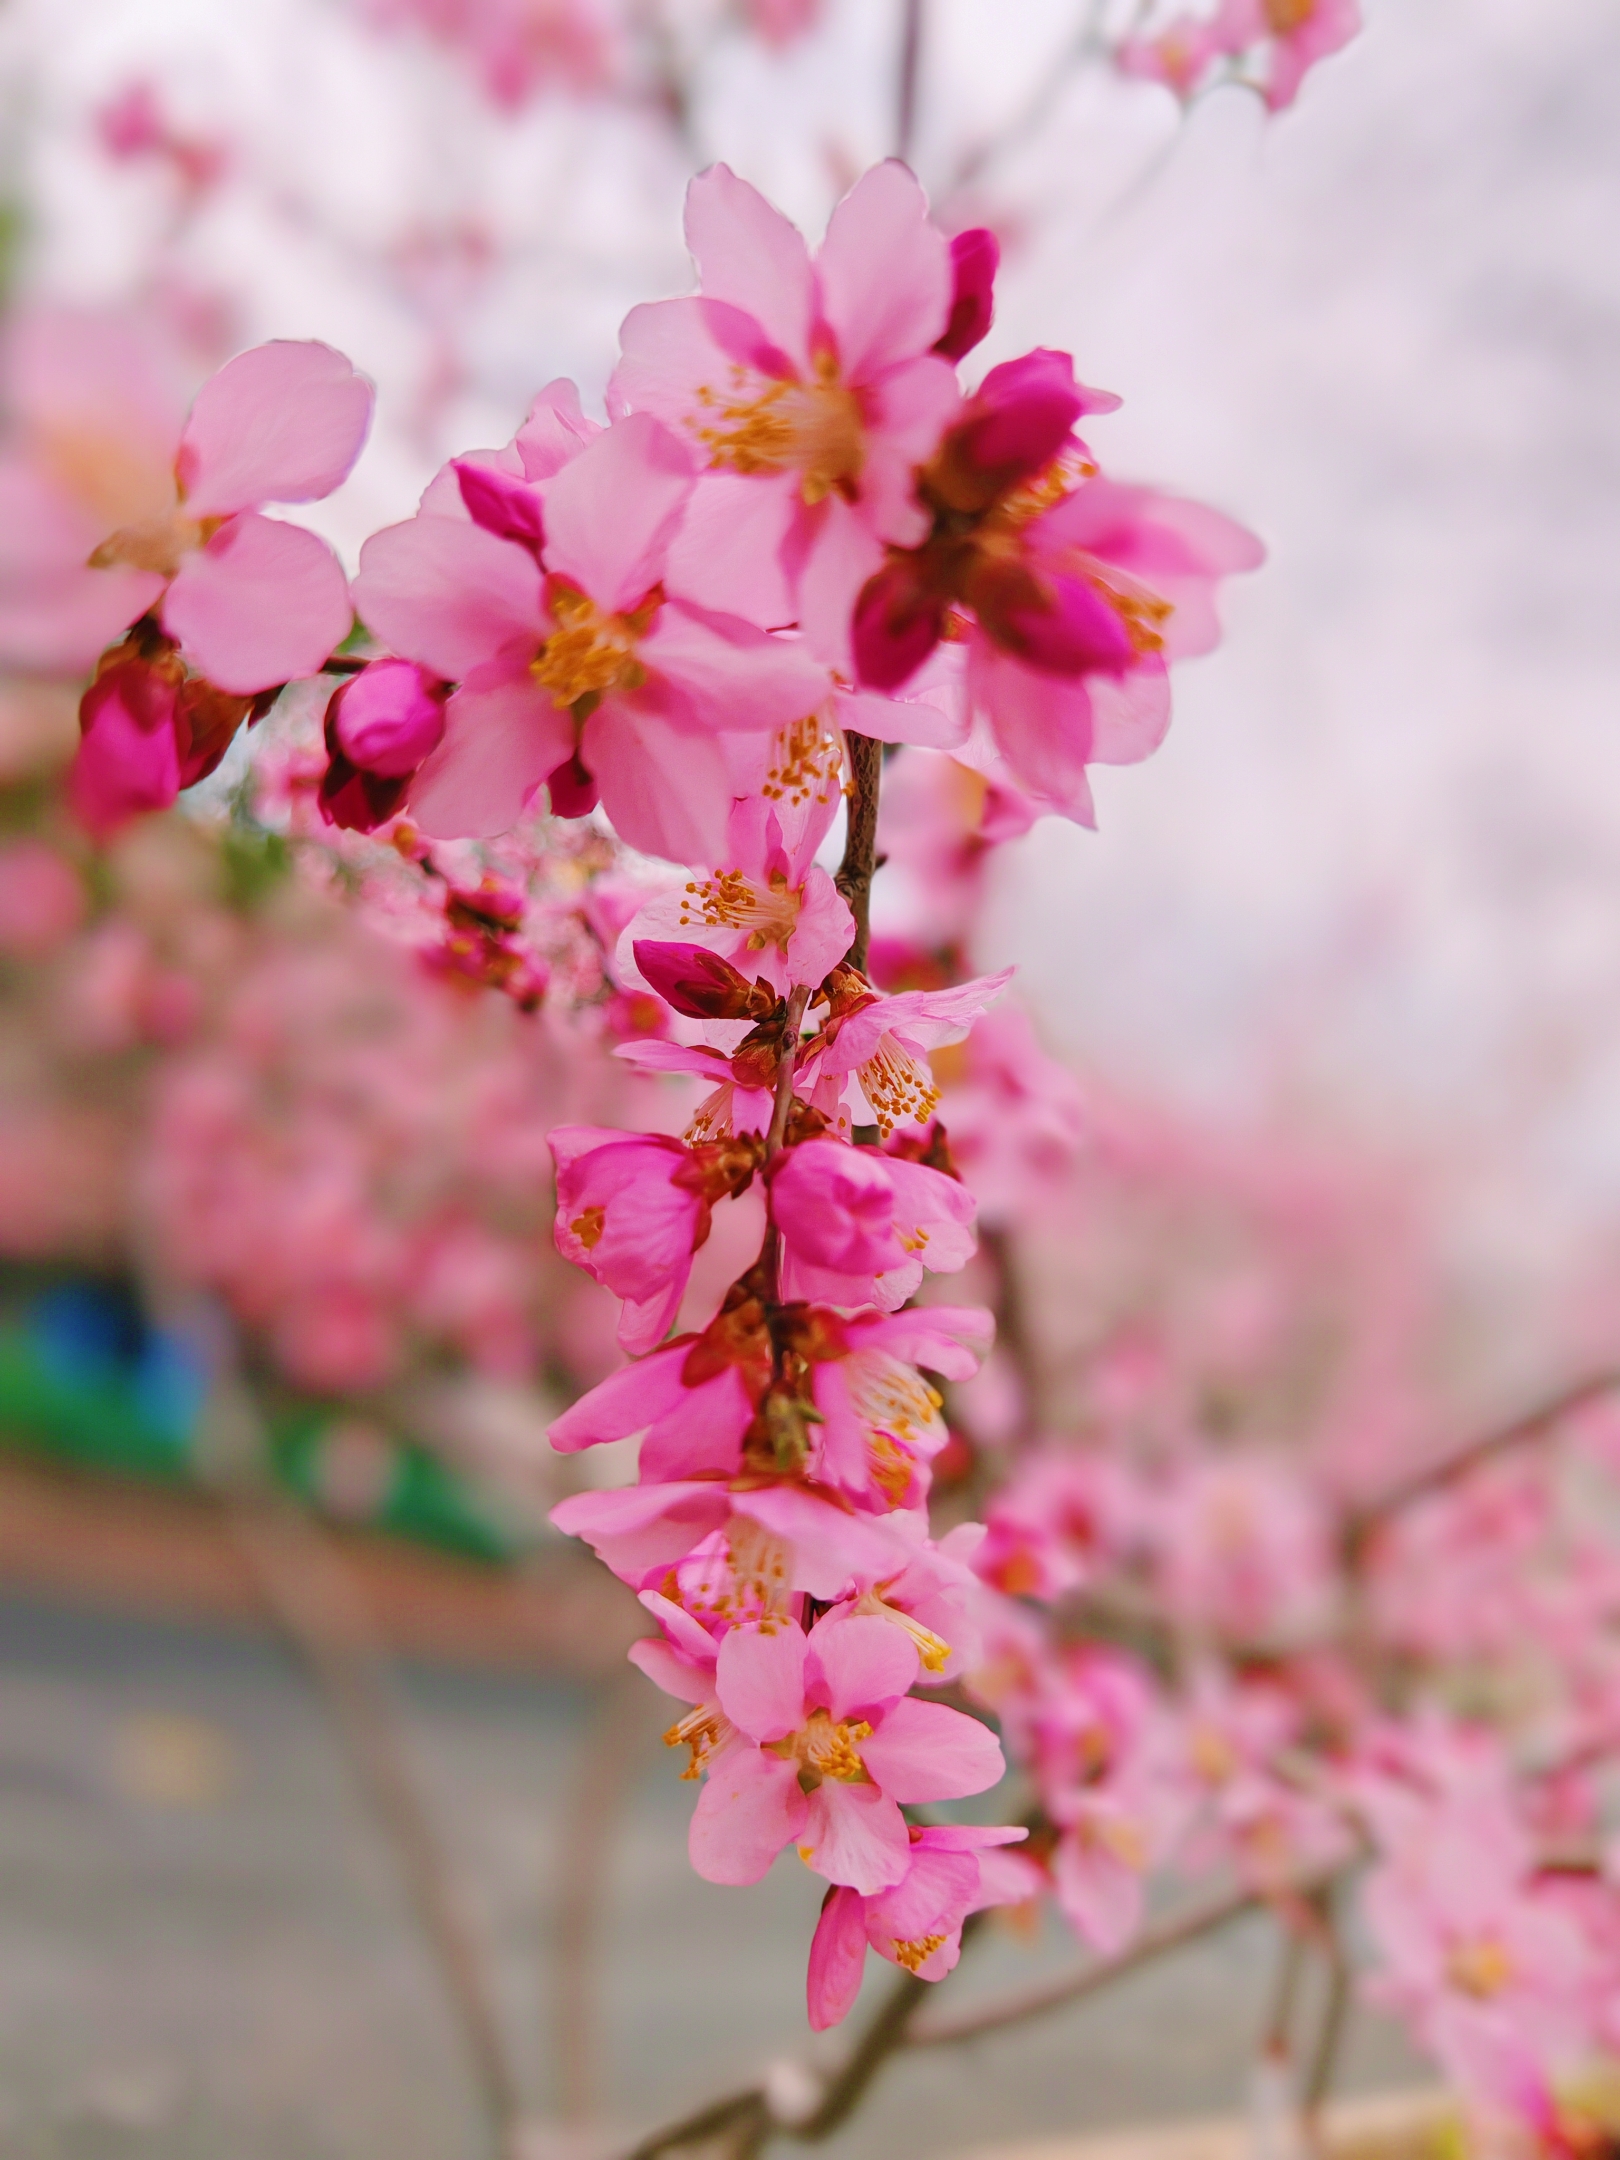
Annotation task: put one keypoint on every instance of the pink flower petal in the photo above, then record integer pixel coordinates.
(885, 272)
(837, 1960)
(444, 592)
(610, 511)
(642, 1527)
(622, 1403)
(759, 1677)
(847, 552)
(727, 555)
(502, 735)
(829, 1544)
(722, 673)
(749, 1808)
(282, 423)
(1042, 726)
(860, 1666)
(128, 759)
(556, 430)
(750, 255)
(666, 786)
(855, 1834)
(668, 1670)
(261, 603)
(922, 1751)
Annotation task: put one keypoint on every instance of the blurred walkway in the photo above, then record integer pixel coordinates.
(204, 1954)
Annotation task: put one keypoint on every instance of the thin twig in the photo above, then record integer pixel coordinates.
(855, 872)
(1533, 1424)
(609, 1754)
(1153, 1942)
(1325, 2055)
(315, 1603)
(905, 121)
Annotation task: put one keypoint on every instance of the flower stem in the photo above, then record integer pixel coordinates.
(855, 872)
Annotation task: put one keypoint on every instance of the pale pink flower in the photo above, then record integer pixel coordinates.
(519, 48)
(595, 671)
(1286, 38)
(770, 912)
(868, 1063)
(1016, 1117)
(1243, 1547)
(251, 601)
(42, 899)
(811, 388)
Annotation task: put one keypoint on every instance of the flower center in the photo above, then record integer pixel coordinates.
(824, 1748)
(702, 1730)
(1481, 1969)
(730, 900)
(155, 544)
(814, 429)
(588, 1227)
(1283, 17)
(589, 653)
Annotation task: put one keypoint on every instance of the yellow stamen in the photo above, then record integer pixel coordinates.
(155, 544)
(1481, 1969)
(589, 653)
(1285, 16)
(825, 1749)
(701, 1730)
(933, 1650)
(815, 429)
(730, 900)
(914, 1955)
(807, 762)
(588, 1227)
(898, 1086)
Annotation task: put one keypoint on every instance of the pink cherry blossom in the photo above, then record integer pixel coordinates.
(810, 386)
(251, 601)
(770, 912)
(868, 1064)
(1286, 39)
(819, 1747)
(633, 1208)
(594, 666)
(861, 1227)
(916, 1924)
(380, 726)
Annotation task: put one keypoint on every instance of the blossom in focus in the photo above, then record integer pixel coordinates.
(809, 386)
(769, 911)
(592, 671)
(861, 1227)
(632, 1208)
(1071, 593)
(813, 1740)
(953, 1869)
(380, 726)
(868, 1063)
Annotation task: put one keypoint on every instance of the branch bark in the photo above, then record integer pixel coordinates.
(905, 121)
(1533, 1424)
(855, 872)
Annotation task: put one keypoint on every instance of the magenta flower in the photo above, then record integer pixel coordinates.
(811, 387)
(591, 673)
(147, 730)
(952, 1870)
(380, 726)
(251, 601)
(632, 1208)
(812, 1740)
(860, 1227)
(789, 1436)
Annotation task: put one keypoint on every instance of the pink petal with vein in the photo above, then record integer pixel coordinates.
(261, 603)
(282, 423)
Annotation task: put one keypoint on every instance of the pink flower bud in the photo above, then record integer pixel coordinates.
(975, 258)
(387, 718)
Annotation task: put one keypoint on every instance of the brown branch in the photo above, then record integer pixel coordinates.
(855, 872)
(315, 1603)
(609, 1755)
(1154, 1942)
(1533, 1424)
(905, 125)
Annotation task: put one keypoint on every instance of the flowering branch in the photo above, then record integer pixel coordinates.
(1533, 1424)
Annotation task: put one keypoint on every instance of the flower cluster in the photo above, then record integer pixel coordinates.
(1270, 45)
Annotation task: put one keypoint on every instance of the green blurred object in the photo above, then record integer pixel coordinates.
(84, 1378)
